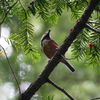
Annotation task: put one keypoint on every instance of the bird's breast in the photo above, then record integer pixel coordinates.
(49, 48)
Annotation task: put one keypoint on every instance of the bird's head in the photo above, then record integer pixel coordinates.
(46, 36)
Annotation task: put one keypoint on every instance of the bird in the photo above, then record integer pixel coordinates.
(49, 47)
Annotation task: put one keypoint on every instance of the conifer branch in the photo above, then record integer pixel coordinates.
(15, 77)
(23, 8)
(6, 15)
(97, 9)
(61, 89)
(41, 79)
(95, 30)
(8, 12)
(91, 22)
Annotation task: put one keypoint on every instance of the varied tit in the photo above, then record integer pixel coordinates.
(49, 47)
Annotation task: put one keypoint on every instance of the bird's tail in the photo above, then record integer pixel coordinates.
(68, 65)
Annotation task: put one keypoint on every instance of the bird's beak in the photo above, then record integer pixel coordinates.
(48, 32)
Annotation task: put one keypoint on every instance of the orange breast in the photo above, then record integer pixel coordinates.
(50, 48)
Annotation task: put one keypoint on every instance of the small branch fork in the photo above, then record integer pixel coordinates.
(89, 27)
(91, 22)
(61, 89)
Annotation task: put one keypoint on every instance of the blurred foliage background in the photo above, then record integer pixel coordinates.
(82, 85)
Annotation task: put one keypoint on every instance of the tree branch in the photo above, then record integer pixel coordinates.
(12, 70)
(41, 79)
(6, 15)
(61, 89)
(8, 12)
(91, 22)
(97, 9)
(95, 98)
(95, 30)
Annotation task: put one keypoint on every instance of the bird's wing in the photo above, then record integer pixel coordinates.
(54, 42)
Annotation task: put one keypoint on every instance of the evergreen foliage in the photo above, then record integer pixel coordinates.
(51, 10)
(86, 45)
(82, 47)
(48, 10)
(49, 97)
(25, 38)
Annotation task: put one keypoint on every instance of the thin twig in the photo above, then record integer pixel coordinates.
(89, 27)
(23, 9)
(97, 9)
(22, 5)
(4, 49)
(86, 2)
(0, 30)
(8, 12)
(12, 70)
(95, 98)
(70, 58)
(91, 22)
(61, 89)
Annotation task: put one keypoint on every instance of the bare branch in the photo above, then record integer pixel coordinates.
(12, 70)
(95, 98)
(61, 89)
